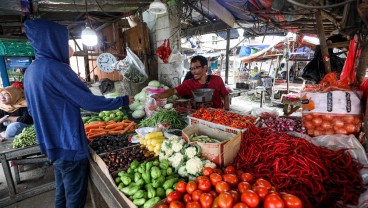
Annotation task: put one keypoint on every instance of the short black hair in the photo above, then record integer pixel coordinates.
(201, 59)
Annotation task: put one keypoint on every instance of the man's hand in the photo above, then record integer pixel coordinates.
(131, 99)
(3, 119)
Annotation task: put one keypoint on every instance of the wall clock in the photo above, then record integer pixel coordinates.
(105, 61)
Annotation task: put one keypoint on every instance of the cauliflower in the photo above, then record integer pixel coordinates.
(210, 164)
(190, 152)
(176, 159)
(177, 146)
(174, 138)
(183, 171)
(162, 156)
(165, 145)
(169, 152)
(194, 166)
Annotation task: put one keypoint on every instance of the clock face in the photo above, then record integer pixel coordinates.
(104, 62)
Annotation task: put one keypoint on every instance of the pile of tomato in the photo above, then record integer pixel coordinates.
(223, 117)
(317, 124)
(226, 189)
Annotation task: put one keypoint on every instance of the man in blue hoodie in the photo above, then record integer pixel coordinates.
(55, 96)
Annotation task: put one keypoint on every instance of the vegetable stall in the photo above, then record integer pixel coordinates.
(214, 158)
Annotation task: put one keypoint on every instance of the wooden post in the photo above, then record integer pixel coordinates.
(227, 56)
(322, 41)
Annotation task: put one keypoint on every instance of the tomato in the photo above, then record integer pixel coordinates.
(215, 203)
(273, 200)
(239, 173)
(176, 204)
(196, 194)
(250, 198)
(222, 186)
(187, 198)
(231, 179)
(263, 182)
(200, 178)
(193, 204)
(240, 205)
(207, 171)
(235, 195)
(206, 200)
(173, 196)
(213, 193)
(181, 187)
(247, 177)
(219, 171)
(225, 200)
(261, 191)
(243, 186)
(291, 201)
(163, 206)
(229, 170)
(204, 185)
(191, 186)
(215, 178)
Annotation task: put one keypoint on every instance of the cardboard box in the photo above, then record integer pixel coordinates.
(220, 153)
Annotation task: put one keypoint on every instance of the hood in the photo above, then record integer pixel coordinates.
(16, 94)
(49, 39)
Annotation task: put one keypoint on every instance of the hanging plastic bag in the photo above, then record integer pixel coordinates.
(348, 72)
(164, 51)
(176, 56)
(132, 68)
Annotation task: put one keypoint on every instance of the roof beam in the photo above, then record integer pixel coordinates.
(220, 11)
(204, 29)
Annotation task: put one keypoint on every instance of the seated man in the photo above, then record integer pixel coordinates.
(200, 80)
(14, 115)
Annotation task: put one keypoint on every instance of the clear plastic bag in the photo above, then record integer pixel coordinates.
(132, 68)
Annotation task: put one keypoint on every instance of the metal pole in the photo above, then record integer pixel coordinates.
(286, 55)
(227, 56)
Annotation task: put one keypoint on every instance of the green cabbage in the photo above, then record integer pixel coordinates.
(154, 83)
(138, 114)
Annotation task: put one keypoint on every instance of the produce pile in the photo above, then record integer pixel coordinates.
(319, 176)
(26, 138)
(108, 143)
(278, 124)
(202, 138)
(99, 129)
(148, 182)
(164, 116)
(152, 141)
(121, 159)
(228, 189)
(223, 117)
(114, 115)
(184, 158)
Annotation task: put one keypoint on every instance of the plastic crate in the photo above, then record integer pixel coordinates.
(193, 120)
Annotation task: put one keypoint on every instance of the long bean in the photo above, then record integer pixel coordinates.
(162, 117)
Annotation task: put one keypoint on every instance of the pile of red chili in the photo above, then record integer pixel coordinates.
(223, 117)
(318, 176)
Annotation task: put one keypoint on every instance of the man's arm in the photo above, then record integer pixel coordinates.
(226, 102)
(165, 94)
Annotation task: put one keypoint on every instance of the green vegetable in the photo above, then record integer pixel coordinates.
(169, 171)
(126, 180)
(151, 192)
(164, 116)
(117, 180)
(151, 202)
(174, 186)
(140, 182)
(169, 183)
(160, 192)
(155, 172)
(134, 164)
(121, 185)
(26, 138)
(164, 164)
(146, 177)
(149, 165)
(168, 191)
(139, 194)
(140, 169)
(137, 176)
(121, 173)
(158, 182)
(131, 189)
(138, 114)
(163, 172)
(156, 163)
(130, 170)
(139, 202)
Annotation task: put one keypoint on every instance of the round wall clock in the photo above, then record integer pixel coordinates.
(105, 61)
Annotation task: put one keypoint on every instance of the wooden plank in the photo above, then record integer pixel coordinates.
(322, 41)
(220, 11)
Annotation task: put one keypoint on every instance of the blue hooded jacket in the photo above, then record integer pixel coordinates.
(55, 94)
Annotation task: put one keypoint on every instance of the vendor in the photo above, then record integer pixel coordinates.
(13, 112)
(200, 80)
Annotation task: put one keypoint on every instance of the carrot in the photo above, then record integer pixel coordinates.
(91, 136)
(119, 128)
(115, 125)
(96, 130)
(93, 126)
(114, 132)
(111, 122)
(128, 127)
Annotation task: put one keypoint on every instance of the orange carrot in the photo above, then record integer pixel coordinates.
(128, 127)
(114, 132)
(115, 125)
(119, 128)
(96, 130)
(91, 136)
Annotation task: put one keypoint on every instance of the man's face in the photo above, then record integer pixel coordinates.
(198, 70)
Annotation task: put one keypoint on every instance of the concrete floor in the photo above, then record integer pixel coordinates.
(35, 175)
